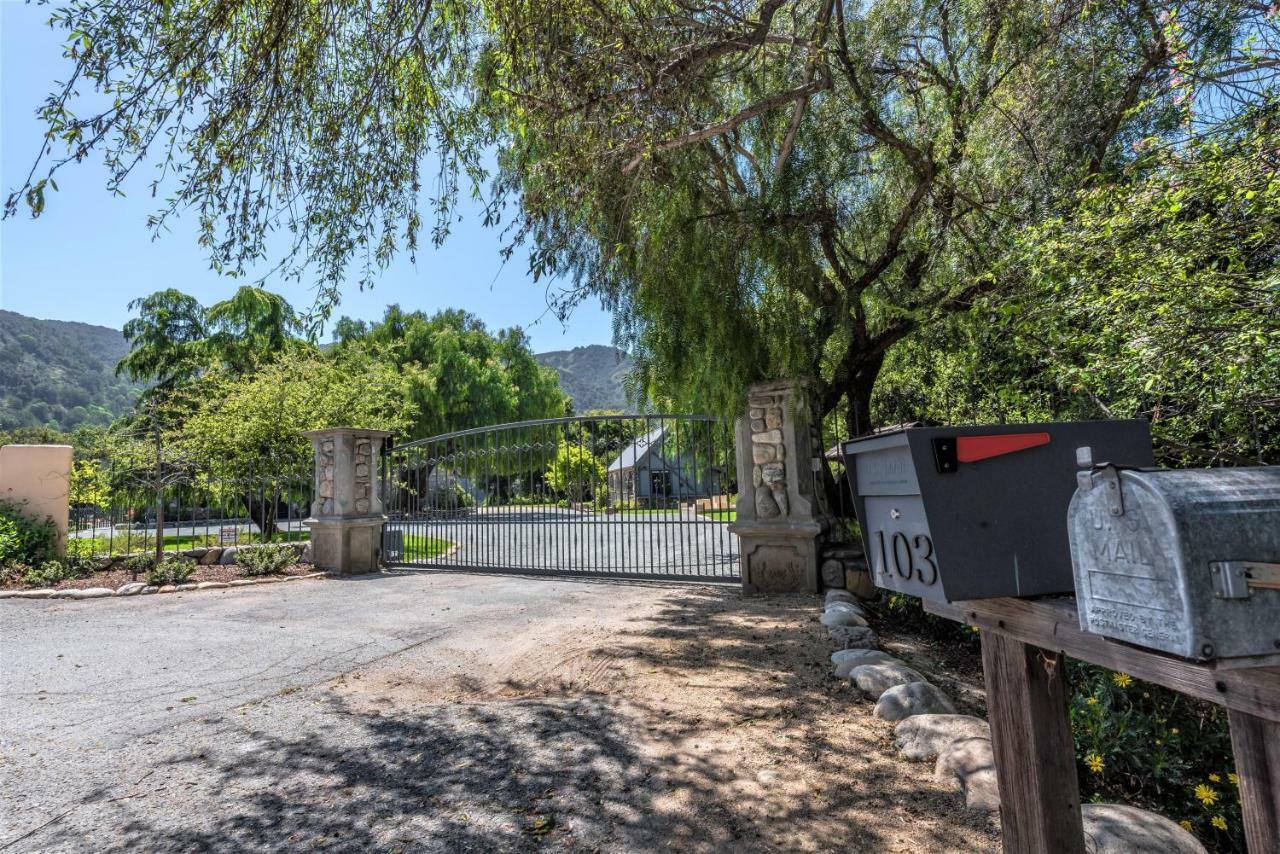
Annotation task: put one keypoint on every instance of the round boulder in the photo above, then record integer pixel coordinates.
(839, 596)
(853, 637)
(922, 737)
(1121, 829)
(914, 698)
(874, 679)
(971, 765)
(845, 666)
(841, 617)
(228, 556)
(847, 607)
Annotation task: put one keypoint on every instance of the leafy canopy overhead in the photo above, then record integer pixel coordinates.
(756, 187)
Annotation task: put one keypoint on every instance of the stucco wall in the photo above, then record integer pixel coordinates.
(40, 476)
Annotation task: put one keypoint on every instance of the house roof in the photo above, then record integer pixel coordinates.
(637, 450)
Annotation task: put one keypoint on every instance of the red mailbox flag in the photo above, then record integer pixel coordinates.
(970, 449)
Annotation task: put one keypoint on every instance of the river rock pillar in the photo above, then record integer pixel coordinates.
(779, 522)
(346, 508)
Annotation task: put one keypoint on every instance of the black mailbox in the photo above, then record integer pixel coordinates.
(955, 513)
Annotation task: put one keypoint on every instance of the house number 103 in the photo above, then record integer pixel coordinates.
(912, 557)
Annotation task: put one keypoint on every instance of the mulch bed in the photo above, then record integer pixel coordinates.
(116, 578)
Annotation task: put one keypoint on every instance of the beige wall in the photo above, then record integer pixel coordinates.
(40, 476)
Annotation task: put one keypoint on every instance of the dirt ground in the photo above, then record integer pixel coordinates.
(704, 722)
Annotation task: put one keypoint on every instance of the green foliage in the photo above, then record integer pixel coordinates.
(174, 569)
(266, 560)
(1158, 298)
(23, 538)
(58, 376)
(575, 472)
(456, 374)
(1144, 744)
(50, 572)
(164, 339)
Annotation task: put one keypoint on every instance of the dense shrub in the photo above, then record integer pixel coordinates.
(24, 538)
(175, 569)
(1153, 747)
(50, 572)
(266, 560)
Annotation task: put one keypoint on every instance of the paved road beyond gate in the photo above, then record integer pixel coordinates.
(622, 495)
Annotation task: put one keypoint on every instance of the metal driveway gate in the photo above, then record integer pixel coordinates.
(631, 495)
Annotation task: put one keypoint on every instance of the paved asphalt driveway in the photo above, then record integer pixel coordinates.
(201, 721)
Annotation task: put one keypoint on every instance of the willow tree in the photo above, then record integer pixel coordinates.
(756, 187)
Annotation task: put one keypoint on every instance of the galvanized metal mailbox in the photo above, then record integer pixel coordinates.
(1186, 562)
(954, 513)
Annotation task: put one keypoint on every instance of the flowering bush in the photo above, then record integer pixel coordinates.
(1152, 747)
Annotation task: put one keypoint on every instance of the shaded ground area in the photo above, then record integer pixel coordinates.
(450, 712)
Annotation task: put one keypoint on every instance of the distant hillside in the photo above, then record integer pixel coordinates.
(60, 374)
(591, 375)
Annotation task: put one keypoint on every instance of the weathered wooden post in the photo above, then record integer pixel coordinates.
(779, 521)
(346, 510)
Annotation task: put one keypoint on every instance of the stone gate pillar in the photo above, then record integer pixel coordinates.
(779, 522)
(346, 511)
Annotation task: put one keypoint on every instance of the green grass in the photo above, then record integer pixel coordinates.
(644, 511)
(421, 547)
(720, 515)
(139, 541)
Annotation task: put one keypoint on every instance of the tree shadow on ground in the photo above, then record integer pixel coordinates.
(723, 733)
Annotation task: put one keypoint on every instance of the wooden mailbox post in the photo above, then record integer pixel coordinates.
(1024, 642)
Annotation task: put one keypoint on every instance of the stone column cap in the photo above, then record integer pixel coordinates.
(338, 431)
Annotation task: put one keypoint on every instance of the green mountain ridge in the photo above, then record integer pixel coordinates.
(591, 375)
(61, 374)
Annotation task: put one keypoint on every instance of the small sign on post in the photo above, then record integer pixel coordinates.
(228, 536)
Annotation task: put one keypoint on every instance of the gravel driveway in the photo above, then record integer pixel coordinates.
(446, 712)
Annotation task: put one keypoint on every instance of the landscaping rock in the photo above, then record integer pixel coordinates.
(132, 589)
(876, 678)
(841, 617)
(211, 556)
(91, 593)
(228, 556)
(241, 582)
(150, 588)
(305, 557)
(914, 698)
(167, 588)
(971, 764)
(921, 738)
(1120, 829)
(845, 666)
(196, 553)
(849, 607)
(839, 596)
(211, 585)
(853, 637)
(42, 593)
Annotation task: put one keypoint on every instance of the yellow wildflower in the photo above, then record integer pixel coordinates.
(1233, 779)
(1174, 731)
(1095, 763)
(1122, 680)
(1092, 701)
(1214, 778)
(1219, 822)
(1206, 795)
(1186, 825)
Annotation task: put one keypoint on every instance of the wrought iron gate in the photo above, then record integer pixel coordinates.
(629, 495)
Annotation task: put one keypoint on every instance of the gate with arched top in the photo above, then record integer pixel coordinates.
(620, 495)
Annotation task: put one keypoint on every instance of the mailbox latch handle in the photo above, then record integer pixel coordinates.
(1236, 579)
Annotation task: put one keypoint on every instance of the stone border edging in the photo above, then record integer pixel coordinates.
(963, 753)
(139, 588)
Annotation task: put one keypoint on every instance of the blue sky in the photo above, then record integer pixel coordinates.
(90, 253)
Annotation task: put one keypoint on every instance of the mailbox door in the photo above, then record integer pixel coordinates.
(1129, 571)
(895, 529)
